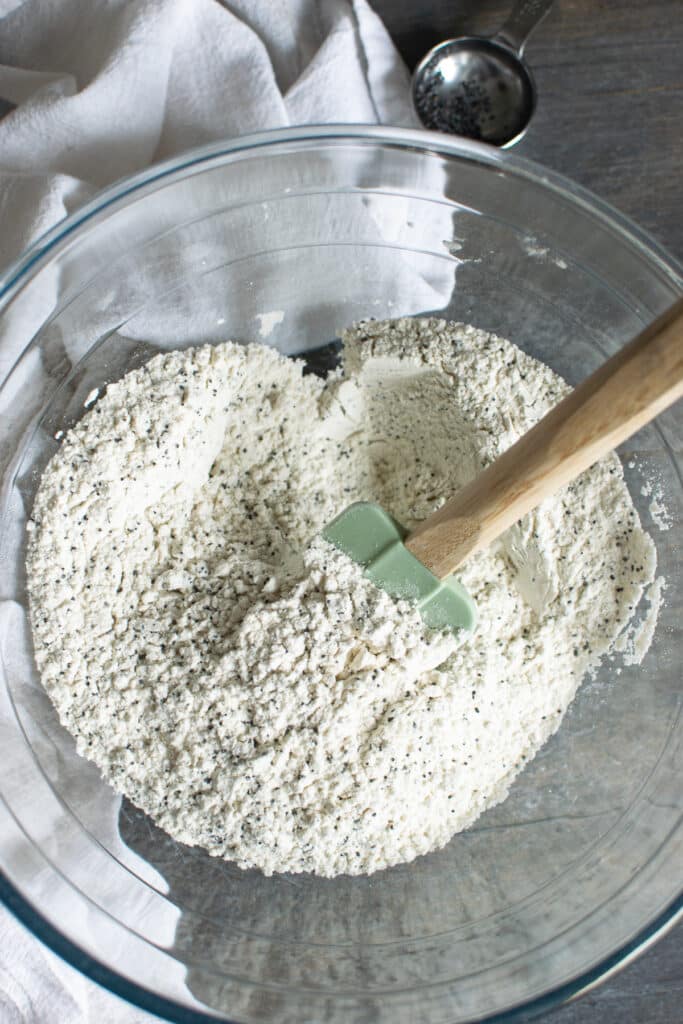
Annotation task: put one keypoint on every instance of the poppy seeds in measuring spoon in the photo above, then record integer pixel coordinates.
(478, 87)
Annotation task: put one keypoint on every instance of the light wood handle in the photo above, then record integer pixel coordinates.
(628, 391)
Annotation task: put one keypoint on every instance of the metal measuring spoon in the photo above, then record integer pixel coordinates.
(481, 87)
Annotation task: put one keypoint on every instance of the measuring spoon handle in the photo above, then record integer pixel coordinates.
(525, 16)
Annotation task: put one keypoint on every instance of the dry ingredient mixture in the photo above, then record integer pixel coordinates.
(242, 682)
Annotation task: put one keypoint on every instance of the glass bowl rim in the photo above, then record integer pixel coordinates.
(125, 191)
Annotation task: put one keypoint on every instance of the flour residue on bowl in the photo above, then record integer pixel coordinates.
(659, 513)
(250, 689)
(269, 321)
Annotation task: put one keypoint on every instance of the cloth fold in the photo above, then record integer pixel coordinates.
(102, 89)
(92, 90)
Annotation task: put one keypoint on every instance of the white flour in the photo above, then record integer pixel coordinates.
(288, 716)
(661, 516)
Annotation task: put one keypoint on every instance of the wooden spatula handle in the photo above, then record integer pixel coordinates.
(626, 392)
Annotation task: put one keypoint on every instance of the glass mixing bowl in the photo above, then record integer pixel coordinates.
(284, 238)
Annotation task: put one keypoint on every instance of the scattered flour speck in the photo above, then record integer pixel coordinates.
(269, 321)
(659, 513)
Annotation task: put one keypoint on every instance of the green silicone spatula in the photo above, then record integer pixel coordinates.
(629, 390)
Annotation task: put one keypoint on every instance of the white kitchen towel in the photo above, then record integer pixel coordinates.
(91, 90)
(103, 88)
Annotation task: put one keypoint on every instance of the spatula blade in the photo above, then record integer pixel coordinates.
(374, 540)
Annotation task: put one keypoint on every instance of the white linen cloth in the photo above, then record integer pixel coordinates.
(105, 87)
(92, 90)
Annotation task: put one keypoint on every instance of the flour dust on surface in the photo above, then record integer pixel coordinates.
(241, 681)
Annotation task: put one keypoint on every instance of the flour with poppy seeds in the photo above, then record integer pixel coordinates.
(239, 679)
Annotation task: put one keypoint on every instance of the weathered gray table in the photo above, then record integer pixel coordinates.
(610, 116)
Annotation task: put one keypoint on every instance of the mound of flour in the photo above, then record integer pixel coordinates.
(250, 689)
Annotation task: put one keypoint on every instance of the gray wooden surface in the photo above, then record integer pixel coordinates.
(610, 84)
(610, 116)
